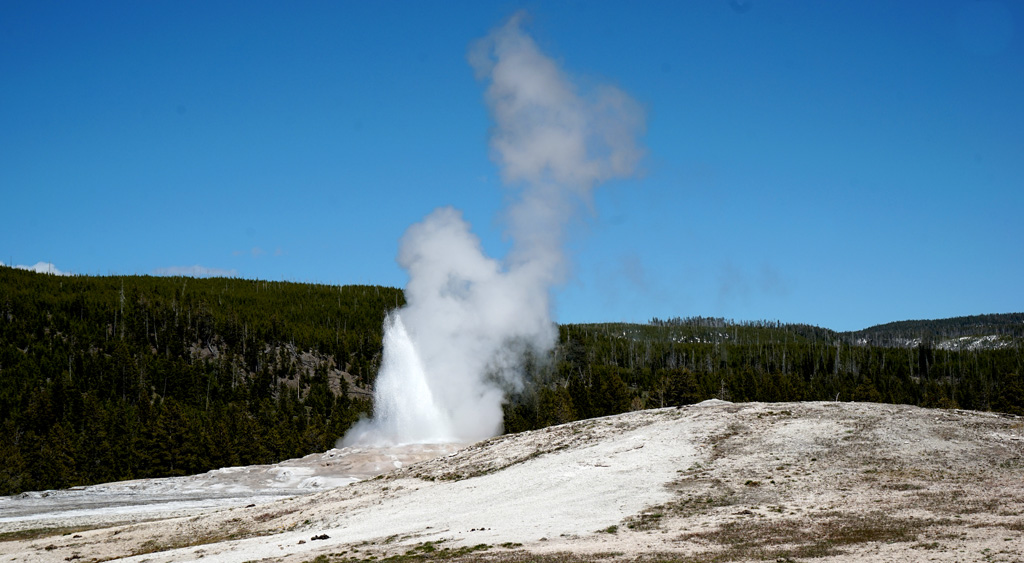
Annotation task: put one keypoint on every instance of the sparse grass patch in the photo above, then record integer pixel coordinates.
(700, 496)
(196, 539)
(957, 502)
(701, 504)
(427, 551)
(36, 533)
(902, 487)
(719, 448)
(1012, 463)
(267, 516)
(477, 470)
(758, 539)
(519, 556)
(774, 413)
(644, 521)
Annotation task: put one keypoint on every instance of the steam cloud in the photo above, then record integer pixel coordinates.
(456, 347)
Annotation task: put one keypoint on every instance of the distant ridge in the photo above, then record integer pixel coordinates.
(999, 327)
(980, 331)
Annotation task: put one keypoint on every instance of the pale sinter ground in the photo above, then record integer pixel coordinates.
(710, 482)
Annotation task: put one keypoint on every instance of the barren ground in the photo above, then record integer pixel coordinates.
(711, 482)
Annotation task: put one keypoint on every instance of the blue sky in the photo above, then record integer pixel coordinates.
(840, 163)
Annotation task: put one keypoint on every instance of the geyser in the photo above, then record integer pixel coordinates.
(454, 350)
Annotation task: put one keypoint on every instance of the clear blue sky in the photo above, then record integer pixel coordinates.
(841, 163)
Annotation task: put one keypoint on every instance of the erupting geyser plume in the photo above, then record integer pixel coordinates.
(455, 348)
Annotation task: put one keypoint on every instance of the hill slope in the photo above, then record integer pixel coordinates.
(957, 333)
(710, 482)
(121, 377)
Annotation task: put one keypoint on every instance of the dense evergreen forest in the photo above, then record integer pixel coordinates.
(954, 333)
(969, 362)
(109, 378)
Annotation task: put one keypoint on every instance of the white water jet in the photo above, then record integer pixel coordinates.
(404, 408)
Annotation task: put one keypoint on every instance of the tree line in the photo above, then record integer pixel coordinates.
(609, 368)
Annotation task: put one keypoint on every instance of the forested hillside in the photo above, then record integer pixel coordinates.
(986, 331)
(109, 378)
(603, 369)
